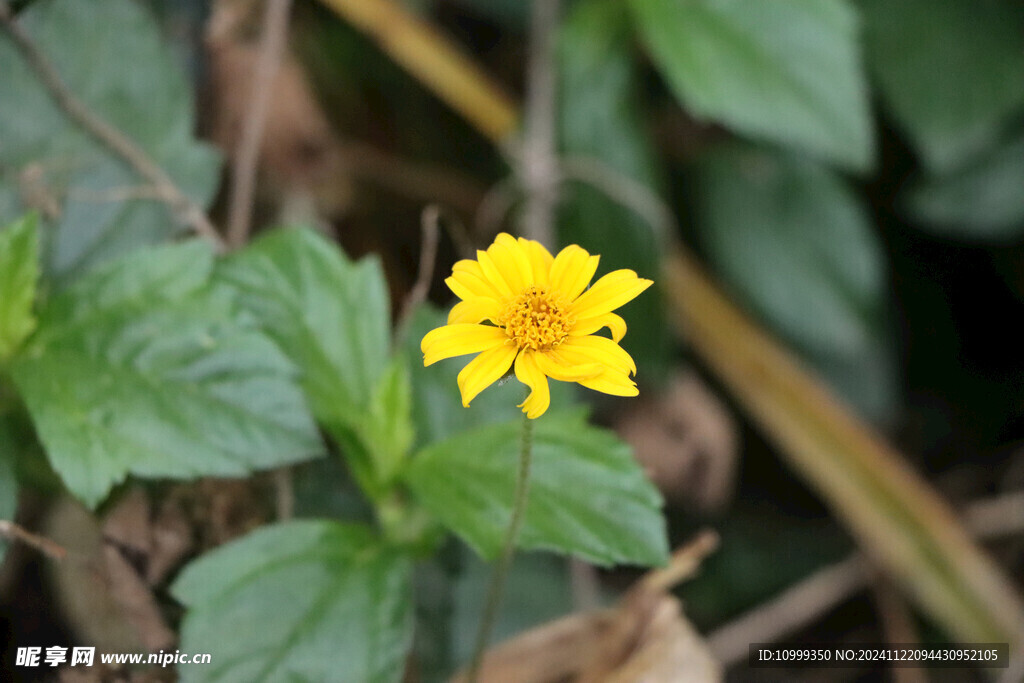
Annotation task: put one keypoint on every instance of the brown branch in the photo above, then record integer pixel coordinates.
(795, 607)
(683, 564)
(284, 493)
(494, 208)
(428, 256)
(897, 626)
(136, 600)
(187, 211)
(1014, 672)
(462, 239)
(584, 584)
(538, 169)
(243, 181)
(13, 532)
(997, 516)
(808, 599)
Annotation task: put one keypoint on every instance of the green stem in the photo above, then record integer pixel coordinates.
(497, 586)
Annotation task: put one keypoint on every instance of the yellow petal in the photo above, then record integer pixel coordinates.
(530, 374)
(591, 325)
(493, 274)
(571, 271)
(611, 382)
(475, 309)
(511, 262)
(485, 370)
(540, 260)
(590, 349)
(566, 373)
(468, 280)
(613, 290)
(458, 340)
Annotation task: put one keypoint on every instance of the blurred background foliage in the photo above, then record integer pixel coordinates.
(851, 172)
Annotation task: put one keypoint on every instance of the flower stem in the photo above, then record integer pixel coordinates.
(497, 586)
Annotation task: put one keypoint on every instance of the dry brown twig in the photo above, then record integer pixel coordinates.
(13, 532)
(284, 493)
(644, 637)
(684, 562)
(896, 621)
(537, 164)
(243, 182)
(495, 206)
(430, 225)
(187, 211)
(802, 603)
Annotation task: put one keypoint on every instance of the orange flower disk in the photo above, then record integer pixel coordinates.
(520, 305)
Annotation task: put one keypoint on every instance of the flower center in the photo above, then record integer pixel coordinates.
(536, 319)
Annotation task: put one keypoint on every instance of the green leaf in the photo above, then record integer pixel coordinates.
(19, 275)
(299, 601)
(104, 207)
(587, 494)
(330, 316)
(143, 368)
(796, 245)
(601, 122)
(949, 71)
(787, 71)
(388, 429)
(983, 201)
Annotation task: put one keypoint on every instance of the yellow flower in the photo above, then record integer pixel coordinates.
(521, 305)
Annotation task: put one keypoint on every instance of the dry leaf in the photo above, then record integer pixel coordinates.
(645, 639)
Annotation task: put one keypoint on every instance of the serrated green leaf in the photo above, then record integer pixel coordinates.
(983, 201)
(587, 494)
(143, 368)
(787, 71)
(19, 275)
(796, 244)
(299, 601)
(331, 316)
(105, 209)
(601, 121)
(948, 70)
(158, 276)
